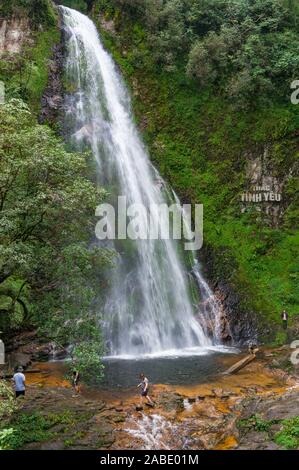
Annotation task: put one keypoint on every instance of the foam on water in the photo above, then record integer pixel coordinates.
(175, 353)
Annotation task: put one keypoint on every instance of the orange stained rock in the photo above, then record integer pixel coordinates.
(230, 442)
(51, 375)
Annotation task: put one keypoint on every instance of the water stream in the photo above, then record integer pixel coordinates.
(151, 431)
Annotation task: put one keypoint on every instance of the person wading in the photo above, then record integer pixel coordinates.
(19, 382)
(144, 384)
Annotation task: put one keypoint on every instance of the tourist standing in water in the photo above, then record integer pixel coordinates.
(144, 384)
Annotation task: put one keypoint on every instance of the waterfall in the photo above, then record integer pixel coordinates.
(155, 293)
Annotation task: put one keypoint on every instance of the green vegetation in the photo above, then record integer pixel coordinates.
(209, 97)
(25, 75)
(256, 423)
(80, 5)
(39, 12)
(8, 404)
(48, 273)
(287, 437)
(239, 46)
(202, 136)
(27, 428)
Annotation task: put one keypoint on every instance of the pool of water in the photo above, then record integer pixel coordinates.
(171, 369)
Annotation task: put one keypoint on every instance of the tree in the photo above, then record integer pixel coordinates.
(253, 55)
(49, 274)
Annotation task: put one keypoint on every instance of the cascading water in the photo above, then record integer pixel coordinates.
(150, 308)
(153, 431)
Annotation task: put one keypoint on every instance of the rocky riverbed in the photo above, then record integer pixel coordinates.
(257, 408)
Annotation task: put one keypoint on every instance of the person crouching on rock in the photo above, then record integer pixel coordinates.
(144, 384)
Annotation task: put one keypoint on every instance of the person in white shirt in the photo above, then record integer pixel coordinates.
(19, 382)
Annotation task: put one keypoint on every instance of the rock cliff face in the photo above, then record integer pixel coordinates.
(264, 187)
(14, 33)
(242, 324)
(52, 99)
